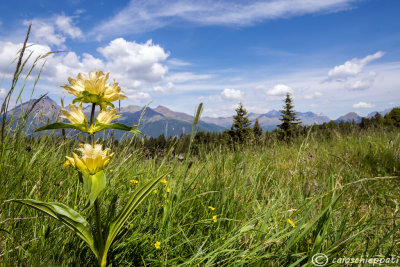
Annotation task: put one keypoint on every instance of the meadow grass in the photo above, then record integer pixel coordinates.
(341, 193)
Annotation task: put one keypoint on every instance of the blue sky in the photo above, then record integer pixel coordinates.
(333, 56)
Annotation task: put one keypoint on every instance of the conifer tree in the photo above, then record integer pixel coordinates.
(289, 120)
(257, 130)
(240, 129)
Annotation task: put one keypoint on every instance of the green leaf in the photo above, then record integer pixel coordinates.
(136, 198)
(66, 215)
(94, 185)
(61, 125)
(116, 126)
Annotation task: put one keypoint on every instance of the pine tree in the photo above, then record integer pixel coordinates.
(257, 130)
(289, 120)
(240, 129)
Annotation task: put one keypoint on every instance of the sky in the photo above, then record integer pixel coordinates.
(332, 56)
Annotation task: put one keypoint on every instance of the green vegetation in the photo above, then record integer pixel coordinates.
(240, 130)
(289, 121)
(334, 190)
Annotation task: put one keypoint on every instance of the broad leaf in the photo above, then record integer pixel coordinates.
(137, 197)
(66, 215)
(116, 126)
(60, 125)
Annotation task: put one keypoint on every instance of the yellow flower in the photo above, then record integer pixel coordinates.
(215, 218)
(168, 190)
(291, 223)
(211, 208)
(164, 195)
(106, 116)
(93, 159)
(76, 116)
(163, 181)
(155, 191)
(93, 89)
(157, 245)
(133, 181)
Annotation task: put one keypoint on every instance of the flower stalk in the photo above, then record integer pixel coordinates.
(91, 163)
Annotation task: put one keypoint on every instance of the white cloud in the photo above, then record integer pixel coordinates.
(174, 62)
(139, 96)
(363, 83)
(352, 67)
(150, 15)
(279, 90)
(65, 25)
(182, 77)
(132, 61)
(231, 94)
(45, 33)
(313, 95)
(363, 105)
(163, 89)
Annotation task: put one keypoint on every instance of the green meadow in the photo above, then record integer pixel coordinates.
(341, 194)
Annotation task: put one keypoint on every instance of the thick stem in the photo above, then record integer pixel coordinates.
(91, 136)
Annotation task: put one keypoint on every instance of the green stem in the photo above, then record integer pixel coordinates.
(91, 136)
(100, 242)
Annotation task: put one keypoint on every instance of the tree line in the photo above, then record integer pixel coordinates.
(243, 131)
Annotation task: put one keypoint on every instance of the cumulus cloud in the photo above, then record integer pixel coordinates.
(231, 94)
(66, 26)
(132, 61)
(154, 14)
(363, 83)
(363, 105)
(53, 31)
(279, 90)
(352, 67)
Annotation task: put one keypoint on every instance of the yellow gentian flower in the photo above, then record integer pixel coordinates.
(104, 117)
(93, 159)
(93, 89)
(76, 116)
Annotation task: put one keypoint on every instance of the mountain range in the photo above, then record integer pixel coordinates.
(162, 120)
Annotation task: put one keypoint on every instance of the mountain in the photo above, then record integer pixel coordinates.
(154, 122)
(349, 117)
(383, 113)
(270, 120)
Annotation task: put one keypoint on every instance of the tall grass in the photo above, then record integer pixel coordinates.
(342, 194)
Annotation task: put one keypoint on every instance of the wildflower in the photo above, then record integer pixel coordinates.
(105, 117)
(163, 181)
(93, 159)
(76, 116)
(133, 182)
(215, 218)
(93, 89)
(157, 245)
(168, 190)
(155, 191)
(291, 223)
(211, 208)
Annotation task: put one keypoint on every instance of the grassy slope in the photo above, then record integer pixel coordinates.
(254, 190)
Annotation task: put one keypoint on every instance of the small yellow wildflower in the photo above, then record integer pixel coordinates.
(291, 223)
(168, 190)
(211, 207)
(155, 191)
(164, 195)
(133, 181)
(167, 200)
(215, 218)
(163, 181)
(157, 245)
